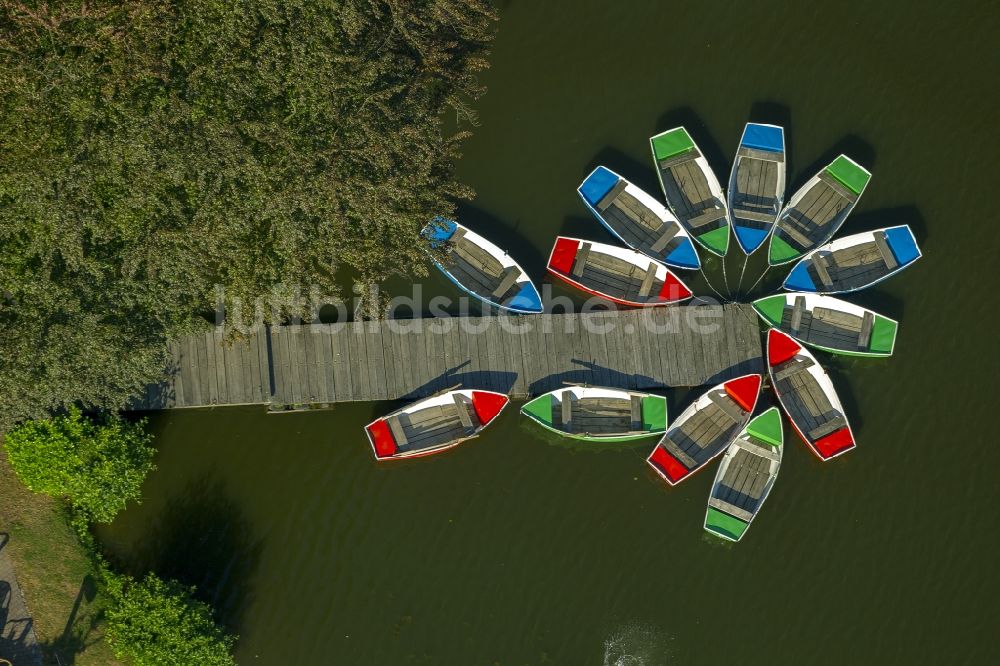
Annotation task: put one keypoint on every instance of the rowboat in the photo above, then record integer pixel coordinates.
(808, 397)
(745, 477)
(480, 268)
(830, 324)
(597, 414)
(434, 424)
(817, 210)
(691, 189)
(705, 429)
(637, 219)
(757, 184)
(618, 274)
(854, 262)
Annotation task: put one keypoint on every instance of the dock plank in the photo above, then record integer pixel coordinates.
(374, 361)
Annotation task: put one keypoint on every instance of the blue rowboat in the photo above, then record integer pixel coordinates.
(854, 262)
(480, 268)
(757, 184)
(637, 219)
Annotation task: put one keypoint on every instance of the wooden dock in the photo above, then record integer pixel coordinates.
(318, 364)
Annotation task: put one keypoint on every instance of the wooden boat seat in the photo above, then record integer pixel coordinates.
(677, 160)
(463, 411)
(791, 367)
(768, 452)
(707, 216)
(581, 259)
(824, 429)
(837, 186)
(647, 281)
(864, 337)
(677, 452)
(883, 248)
(458, 235)
(789, 230)
(510, 276)
(837, 318)
(665, 237)
(612, 194)
(766, 155)
(567, 407)
(797, 310)
(753, 215)
(820, 265)
(636, 404)
(731, 509)
(726, 404)
(396, 428)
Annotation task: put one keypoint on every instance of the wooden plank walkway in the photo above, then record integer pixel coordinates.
(311, 364)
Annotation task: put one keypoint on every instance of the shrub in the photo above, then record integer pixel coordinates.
(153, 622)
(96, 466)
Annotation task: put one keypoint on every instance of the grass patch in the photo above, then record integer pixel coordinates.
(55, 573)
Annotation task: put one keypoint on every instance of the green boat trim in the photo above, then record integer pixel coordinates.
(780, 252)
(670, 143)
(883, 339)
(849, 173)
(716, 240)
(724, 525)
(771, 309)
(767, 428)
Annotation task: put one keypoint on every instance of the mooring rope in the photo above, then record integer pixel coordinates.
(746, 258)
(725, 278)
(701, 269)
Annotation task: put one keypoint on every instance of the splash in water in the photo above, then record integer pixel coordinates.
(636, 645)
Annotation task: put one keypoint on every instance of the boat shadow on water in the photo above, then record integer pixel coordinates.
(201, 538)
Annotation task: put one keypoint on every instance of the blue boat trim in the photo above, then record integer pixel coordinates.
(684, 256)
(799, 280)
(438, 235)
(763, 137)
(527, 299)
(903, 244)
(598, 183)
(750, 238)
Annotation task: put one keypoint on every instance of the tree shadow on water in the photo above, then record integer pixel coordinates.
(203, 539)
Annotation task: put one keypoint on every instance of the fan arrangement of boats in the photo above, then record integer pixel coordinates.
(658, 239)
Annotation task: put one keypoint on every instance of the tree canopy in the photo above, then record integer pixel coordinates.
(152, 151)
(96, 466)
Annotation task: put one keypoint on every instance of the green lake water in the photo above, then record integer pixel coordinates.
(517, 549)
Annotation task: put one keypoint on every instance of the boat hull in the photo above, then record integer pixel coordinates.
(433, 425)
(828, 439)
(827, 323)
(718, 415)
(564, 264)
(745, 477)
(546, 411)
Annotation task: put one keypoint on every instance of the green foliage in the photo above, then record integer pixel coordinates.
(97, 467)
(150, 151)
(153, 622)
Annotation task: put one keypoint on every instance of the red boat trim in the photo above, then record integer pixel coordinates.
(780, 347)
(668, 466)
(836, 442)
(673, 289)
(744, 390)
(382, 440)
(487, 405)
(563, 254)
